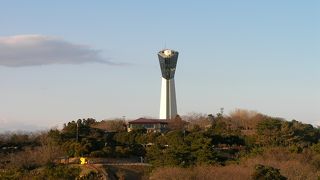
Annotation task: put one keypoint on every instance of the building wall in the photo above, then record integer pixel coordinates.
(149, 127)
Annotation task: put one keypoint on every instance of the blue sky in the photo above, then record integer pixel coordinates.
(64, 60)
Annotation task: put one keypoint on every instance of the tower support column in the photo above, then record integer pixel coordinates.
(168, 103)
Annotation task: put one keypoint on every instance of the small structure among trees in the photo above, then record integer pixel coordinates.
(151, 125)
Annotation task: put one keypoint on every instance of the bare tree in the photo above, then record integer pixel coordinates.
(199, 120)
(116, 125)
(177, 123)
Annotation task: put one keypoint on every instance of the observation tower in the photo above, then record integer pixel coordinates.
(168, 61)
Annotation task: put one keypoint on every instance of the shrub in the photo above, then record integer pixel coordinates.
(122, 151)
(60, 172)
(267, 173)
(316, 161)
(295, 149)
(11, 174)
(316, 147)
(91, 176)
(97, 154)
(256, 151)
(202, 172)
(107, 150)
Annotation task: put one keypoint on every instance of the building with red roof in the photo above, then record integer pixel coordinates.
(151, 125)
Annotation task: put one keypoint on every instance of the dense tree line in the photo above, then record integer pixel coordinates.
(191, 140)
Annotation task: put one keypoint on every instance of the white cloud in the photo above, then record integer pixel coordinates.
(32, 50)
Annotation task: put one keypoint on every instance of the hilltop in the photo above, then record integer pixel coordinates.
(242, 144)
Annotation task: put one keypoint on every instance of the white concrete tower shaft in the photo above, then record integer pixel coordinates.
(168, 105)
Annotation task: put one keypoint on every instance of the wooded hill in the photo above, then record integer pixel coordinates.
(243, 143)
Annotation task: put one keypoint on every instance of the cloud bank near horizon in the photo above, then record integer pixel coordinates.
(35, 50)
(10, 125)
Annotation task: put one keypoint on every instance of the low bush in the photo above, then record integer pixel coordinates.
(267, 173)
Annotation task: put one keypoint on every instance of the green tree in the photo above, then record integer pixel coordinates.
(268, 131)
(155, 155)
(172, 149)
(201, 148)
(297, 133)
